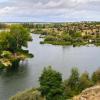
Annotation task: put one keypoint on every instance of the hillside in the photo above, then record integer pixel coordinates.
(92, 93)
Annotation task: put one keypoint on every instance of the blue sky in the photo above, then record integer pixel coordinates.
(49, 10)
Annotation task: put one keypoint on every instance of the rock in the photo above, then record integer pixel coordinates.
(92, 93)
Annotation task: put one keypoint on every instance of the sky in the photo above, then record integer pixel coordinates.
(49, 10)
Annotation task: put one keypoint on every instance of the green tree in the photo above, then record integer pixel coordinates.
(15, 39)
(20, 36)
(6, 54)
(68, 92)
(11, 44)
(77, 34)
(7, 42)
(96, 76)
(85, 81)
(51, 84)
(73, 80)
(4, 43)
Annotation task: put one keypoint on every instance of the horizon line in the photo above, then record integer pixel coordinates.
(45, 21)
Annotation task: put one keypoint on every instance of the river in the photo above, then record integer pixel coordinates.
(61, 58)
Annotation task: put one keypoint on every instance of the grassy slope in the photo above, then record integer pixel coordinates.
(31, 94)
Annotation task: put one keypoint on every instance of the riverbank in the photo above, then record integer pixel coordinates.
(69, 33)
(52, 87)
(31, 94)
(67, 40)
(68, 43)
(92, 93)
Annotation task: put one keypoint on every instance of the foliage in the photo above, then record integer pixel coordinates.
(85, 81)
(96, 76)
(73, 80)
(31, 94)
(76, 83)
(68, 92)
(20, 35)
(52, 87)
(11, 43)
(5, 40)
(50, 84)
(6, 54)
(77, 34)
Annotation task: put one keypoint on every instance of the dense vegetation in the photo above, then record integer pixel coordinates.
(52, 87)
(11, 43)
(31, 94)
(75, 34)
(51, 84)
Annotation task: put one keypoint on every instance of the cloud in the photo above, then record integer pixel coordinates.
(49, 10)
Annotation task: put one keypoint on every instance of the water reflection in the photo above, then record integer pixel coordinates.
(13, 81)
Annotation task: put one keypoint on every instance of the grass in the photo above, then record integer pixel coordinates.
(31, 94)
(64, 43)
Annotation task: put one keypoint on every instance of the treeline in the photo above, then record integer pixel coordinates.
(79, 25)
(75, 34)
(52, 25)
(53, 87)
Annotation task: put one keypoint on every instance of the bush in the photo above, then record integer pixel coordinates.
(50, 38)
(6, 54)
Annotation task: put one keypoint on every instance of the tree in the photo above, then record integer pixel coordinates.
(96, 76)
(11, 44)
(72, 32)
(51, 84)
(68, 92)
(85, 81)
(77, 34)
(7, 41)
(20, 36)
(73, 80)
(15, 39)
